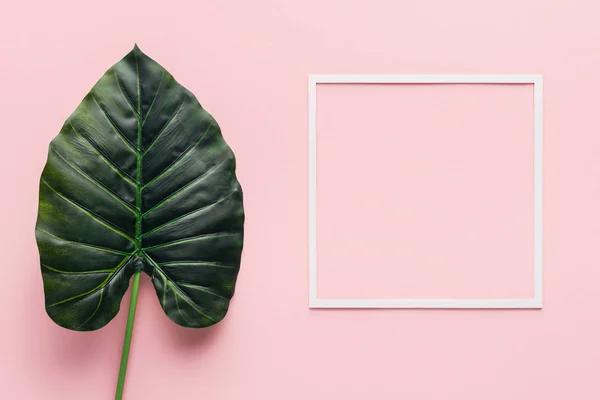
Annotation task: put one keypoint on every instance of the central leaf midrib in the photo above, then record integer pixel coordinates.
(138, 177)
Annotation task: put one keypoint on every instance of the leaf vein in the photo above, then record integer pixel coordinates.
(99, 184)
(103, 284)
(194, 264)
(184, 296)
(203, 208)
(202, 289)
(90, 213)
(98, 271)
(179, 309)
(95, 311)
(192, 239)
(105, 158)
(92, 246)
(162, 75)
(114, 127)
(129, 103)
(182, 156)
(167, 124)
(185, 187)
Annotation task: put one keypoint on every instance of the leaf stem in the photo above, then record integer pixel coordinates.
(128, 332)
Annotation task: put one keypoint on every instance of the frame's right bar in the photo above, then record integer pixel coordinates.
(538, 180)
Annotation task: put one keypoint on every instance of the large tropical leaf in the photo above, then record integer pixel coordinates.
(139, 178)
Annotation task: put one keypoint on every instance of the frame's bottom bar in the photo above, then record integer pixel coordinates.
(437, 303)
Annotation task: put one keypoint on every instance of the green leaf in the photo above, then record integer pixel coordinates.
(139, 178)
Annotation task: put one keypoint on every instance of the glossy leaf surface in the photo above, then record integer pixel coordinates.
(139, 178)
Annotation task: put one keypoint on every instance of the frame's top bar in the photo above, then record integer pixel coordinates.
(463, 78)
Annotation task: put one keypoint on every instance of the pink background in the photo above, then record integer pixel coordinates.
(247, 61)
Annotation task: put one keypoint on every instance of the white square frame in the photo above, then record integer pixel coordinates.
(527, 303)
